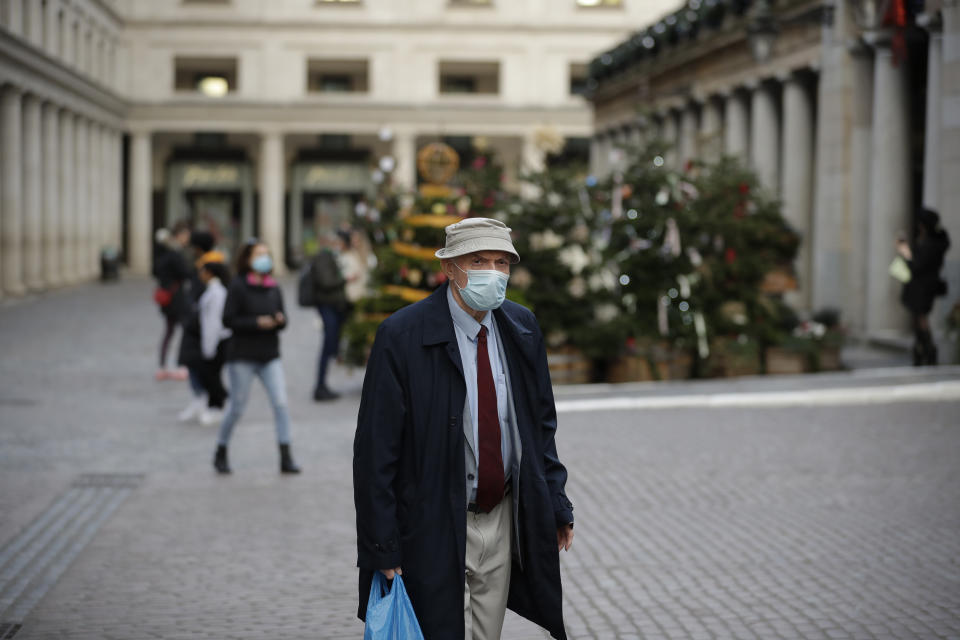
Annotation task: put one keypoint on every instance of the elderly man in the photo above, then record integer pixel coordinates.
(457, 483)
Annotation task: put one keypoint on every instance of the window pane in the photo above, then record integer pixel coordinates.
(578, 79)
(470, 77)
(337, 76)
(599, 3)
(211, 76)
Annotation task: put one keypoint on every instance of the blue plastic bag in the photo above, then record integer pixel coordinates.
(390, 614)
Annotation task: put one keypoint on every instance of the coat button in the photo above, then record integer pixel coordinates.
(453, 421)
(469, 476)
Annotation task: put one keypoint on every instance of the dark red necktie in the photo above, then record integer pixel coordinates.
(490, 471)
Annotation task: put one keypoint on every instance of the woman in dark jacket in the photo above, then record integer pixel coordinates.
(191, 352)
(925, 259)
(255, 314)
(171, 271)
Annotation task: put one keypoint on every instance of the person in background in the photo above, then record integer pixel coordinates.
(213, 338)
(354, 264)
(191, 354)
(925, 259)
(171, 272)
(330, 294)
(254, 312)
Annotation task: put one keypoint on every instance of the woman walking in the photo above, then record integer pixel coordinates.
(191, 354)
(171, 272)
(254, 312)
(925, 259)
(213, 338)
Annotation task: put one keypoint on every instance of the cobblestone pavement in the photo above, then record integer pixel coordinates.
(801, 522)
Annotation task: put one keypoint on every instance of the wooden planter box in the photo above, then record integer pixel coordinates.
(629, 369)
(662, 363)
(786, 361)
(828, 359)
(568, 365)
(730, 361)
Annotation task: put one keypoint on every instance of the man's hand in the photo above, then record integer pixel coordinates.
(266, 322)
(564, 537)
(390, 573)
(280, 318)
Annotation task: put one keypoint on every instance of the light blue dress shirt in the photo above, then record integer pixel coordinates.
(466, 329)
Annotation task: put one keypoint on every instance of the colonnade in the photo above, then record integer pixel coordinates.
(60, 192)
(769, 123)
(60, 143)
(831, 142)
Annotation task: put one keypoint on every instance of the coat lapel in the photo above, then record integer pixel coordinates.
(438, 326)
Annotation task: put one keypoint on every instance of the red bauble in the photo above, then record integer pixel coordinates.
(479, 162)
(739, 211)
(744, 188)
(730, 255)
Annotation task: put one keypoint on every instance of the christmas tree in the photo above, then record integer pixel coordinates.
(408, 228)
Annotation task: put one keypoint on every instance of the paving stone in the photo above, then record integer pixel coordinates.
(722, 523)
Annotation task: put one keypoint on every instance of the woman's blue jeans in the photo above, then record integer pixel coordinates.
(241, 374)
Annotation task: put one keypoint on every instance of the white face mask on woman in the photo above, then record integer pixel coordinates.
(486, 288)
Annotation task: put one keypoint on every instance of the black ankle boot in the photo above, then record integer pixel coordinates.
(323, 393)
(287, 465)
(220, 460)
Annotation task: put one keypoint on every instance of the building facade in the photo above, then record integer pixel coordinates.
(266, 118)
(848, 111)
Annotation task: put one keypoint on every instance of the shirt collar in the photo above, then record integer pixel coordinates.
(464, 321)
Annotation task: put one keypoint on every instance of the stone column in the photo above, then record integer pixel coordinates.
(948, 132)
(68, 221)
(51, 195)
(594, 154)
(34, 23)
(32, 209)
(271, 197)
(81, 203)
(51, 43)
(115, 180)
(711, 129)
(68, 46)
(108, 181)
(533, 159)
(15, 16)
(11, 194)
(405, 157)
(798, 136)
(604, 147)
(95, 199)
(689, 130)
(671, 139)
(140, 240)
(765, 136)
(736, 132)
(889, 190)
(931, 144)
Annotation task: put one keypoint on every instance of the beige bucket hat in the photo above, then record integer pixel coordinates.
(477, 234)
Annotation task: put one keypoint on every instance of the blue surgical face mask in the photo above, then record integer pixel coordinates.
(262, 264)
(486, 288)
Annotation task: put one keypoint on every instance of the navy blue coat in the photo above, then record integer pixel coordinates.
(408, 467)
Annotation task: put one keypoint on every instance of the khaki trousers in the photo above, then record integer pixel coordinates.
(488, 571)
